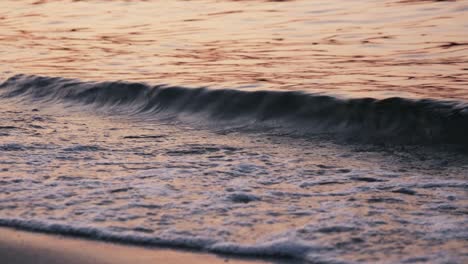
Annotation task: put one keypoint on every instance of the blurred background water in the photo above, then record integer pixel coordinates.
(354, 48)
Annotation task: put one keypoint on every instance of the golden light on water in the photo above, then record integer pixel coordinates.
(299, 175)
(373, 48)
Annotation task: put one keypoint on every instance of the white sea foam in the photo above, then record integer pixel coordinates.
(257, 193)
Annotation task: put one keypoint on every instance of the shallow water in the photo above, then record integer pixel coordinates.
(244, 193)
(282, 172)
(353, 48)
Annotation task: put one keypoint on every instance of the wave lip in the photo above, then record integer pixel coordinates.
(391, 120)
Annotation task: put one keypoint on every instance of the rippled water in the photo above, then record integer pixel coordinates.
(264, 164)
(356, 48)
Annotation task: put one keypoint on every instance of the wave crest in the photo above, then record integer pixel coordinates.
(396, 120)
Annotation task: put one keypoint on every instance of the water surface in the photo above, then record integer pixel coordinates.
(354, 48)
(330, 131)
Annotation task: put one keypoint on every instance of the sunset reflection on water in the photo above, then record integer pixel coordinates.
(353, 48)
(296, 175)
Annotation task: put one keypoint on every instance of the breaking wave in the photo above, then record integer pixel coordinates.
(395, 120)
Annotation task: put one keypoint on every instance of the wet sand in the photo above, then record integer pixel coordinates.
(20, 247)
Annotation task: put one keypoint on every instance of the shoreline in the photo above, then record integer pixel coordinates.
(26, 247)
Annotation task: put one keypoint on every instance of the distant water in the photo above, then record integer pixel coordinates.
(308, 131)
(408, 48)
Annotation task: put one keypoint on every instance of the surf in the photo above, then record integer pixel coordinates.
(391, 120)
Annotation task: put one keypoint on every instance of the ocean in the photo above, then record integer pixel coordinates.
(308, 131)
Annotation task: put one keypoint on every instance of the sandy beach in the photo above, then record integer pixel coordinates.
(20, 247)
